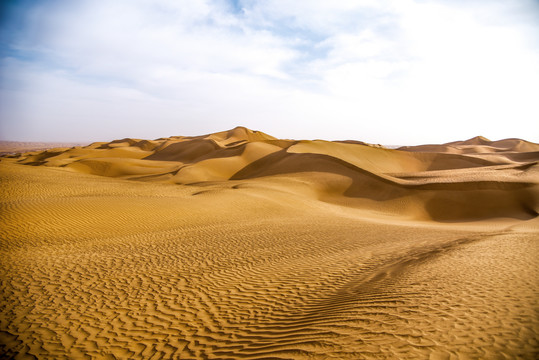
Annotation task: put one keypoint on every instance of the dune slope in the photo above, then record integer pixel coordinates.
(240, 245)
(459, 181)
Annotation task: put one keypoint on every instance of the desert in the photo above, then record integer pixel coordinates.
(240, 245)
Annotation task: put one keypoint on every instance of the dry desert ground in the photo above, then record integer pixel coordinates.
(14, 147)
(238, 245)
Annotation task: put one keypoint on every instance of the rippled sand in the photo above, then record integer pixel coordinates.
(272, 266)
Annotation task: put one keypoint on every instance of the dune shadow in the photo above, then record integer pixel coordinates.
(457, 206)
(365, 184)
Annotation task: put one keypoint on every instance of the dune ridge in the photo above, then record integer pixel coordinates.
(486, 178)
(238, 245)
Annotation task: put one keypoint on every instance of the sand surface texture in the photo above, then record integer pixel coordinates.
(238, 245)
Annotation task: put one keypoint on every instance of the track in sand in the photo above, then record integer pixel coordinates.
(239, 245)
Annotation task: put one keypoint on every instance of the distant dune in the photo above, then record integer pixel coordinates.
(241, 245)
(13, 147)
(466, 180)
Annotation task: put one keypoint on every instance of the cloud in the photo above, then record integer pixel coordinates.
(326, 69)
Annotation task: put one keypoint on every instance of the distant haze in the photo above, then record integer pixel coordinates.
(389, 72)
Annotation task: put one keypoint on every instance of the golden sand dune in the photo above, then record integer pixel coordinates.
(240, 245)
(469, 180)
(478, 145)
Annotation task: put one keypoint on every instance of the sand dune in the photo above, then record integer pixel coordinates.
(17, 147)
(240, 245)
(478, 145)
(467, 180)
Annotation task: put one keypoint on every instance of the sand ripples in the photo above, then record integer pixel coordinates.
(296, 265)
(261, 291)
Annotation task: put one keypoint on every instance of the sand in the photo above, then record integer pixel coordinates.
(17, 147)
(238, 245)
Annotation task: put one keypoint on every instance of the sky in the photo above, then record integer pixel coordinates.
(397, 72)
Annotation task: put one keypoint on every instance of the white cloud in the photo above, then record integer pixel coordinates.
(395, 71)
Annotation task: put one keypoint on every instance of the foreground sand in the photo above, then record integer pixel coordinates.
(253, 247)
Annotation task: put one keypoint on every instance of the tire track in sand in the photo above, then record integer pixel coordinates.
(274, 284)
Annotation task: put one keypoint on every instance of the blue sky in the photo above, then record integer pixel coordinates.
(390, 72)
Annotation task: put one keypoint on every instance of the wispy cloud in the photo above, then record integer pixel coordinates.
(383, 71)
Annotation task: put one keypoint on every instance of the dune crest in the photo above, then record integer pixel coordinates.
(458, 181)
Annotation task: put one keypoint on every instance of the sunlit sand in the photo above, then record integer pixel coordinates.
(240, 245)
